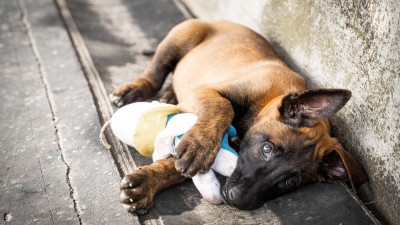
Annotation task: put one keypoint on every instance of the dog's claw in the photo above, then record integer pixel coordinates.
(123, 197)
(116, 100)
(182, 167)
(187, 175)
(124, 183)
(141, 211)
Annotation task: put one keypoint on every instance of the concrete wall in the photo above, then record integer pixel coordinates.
(345, 44)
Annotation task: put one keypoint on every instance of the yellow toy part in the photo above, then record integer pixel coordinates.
(138, 124)
(149, 125)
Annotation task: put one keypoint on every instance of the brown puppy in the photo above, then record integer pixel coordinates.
(228, 74)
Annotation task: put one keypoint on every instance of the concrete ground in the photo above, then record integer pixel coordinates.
(53, 169)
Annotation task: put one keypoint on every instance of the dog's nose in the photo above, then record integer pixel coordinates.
(233, 194)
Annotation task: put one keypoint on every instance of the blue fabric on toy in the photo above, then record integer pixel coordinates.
(224, 143)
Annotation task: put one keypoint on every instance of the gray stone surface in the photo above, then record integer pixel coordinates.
(33, 184)
(342, 44)
(53, 168)
(117, 31)
(313, 204)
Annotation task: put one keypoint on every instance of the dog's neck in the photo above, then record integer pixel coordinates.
(272, 102)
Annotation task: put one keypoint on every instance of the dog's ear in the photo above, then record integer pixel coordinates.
(339, 165)
(308, 107)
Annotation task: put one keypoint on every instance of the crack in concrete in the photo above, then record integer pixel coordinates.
(42, 72)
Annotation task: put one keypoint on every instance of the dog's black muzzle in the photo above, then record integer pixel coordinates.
(241, 193)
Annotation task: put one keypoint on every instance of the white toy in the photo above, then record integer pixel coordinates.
(154, 129)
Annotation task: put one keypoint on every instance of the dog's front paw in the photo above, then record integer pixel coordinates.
(196, 152)
(137, 191)
(138, 90)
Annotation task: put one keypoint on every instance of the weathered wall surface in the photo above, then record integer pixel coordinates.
(344, 44)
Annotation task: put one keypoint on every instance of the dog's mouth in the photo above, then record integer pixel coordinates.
(224, 196)
(234, 198)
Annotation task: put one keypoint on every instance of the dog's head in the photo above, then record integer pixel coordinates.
(289, 145)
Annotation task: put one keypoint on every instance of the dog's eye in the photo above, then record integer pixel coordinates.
(266, 149)
(292, 182)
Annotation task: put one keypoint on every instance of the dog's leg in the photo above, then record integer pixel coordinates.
(139, 188)
(169, 95)
(200, 145)
(180, 40)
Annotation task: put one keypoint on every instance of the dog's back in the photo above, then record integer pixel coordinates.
(222, 44)
(218, 61)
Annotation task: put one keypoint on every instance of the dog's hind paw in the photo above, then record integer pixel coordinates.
(136, 191)
(139, 90)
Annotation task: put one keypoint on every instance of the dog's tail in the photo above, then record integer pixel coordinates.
(103, 136)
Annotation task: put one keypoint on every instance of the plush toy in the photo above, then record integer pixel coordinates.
(155, 129)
